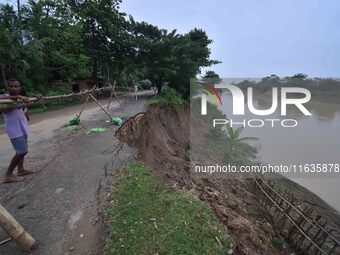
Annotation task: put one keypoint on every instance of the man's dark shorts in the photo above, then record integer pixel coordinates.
(20, 145)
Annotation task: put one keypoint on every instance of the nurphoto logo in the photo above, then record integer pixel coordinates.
(239, 101)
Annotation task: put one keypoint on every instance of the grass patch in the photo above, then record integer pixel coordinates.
(169, 96)
(150, 218)
(278, 244)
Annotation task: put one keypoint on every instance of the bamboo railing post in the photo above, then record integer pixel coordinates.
(83, 107)
(113, 93)
(302, 227)
(86, 100)
(300, 222)
(315, 237)
(108, 114)
(310, 227)
(322, 240)
(278, 211)
(15, 230)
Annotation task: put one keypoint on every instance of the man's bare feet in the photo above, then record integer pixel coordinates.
(13, 178)
(24, 172)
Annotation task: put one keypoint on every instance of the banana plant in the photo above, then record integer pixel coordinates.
(234, 139)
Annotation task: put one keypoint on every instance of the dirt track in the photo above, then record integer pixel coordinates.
(63, 200)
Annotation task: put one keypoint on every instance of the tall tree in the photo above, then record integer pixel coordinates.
(100, 23)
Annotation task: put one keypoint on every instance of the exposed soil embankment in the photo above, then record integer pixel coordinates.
(162, 137)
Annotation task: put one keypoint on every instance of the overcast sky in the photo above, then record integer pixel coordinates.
(255, 38)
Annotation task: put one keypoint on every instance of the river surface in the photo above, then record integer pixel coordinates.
(315, 139)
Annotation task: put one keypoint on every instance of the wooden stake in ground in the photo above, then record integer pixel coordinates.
(108, 114)
(82, 109)
(15, 230)
(86, 100)
(113, 93)
(136, 92)
(130, 91)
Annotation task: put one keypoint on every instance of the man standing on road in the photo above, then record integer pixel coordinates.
(16, 126)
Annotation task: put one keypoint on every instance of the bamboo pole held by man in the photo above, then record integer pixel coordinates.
(15, 230)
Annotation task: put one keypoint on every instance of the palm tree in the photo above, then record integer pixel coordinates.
(234, 139)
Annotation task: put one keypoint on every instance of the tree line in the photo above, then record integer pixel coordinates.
(48, 44)
(326, 86)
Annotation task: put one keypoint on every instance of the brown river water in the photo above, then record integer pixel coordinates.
(316, 139)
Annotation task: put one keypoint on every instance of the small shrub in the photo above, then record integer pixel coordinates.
(278, 244)
(169, 96)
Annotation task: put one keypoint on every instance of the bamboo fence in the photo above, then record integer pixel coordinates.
(8, 104)
(300, 225)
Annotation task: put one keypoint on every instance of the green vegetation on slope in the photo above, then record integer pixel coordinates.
(150, 218)
(168, 96)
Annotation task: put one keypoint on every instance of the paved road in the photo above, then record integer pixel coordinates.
(66, 196)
